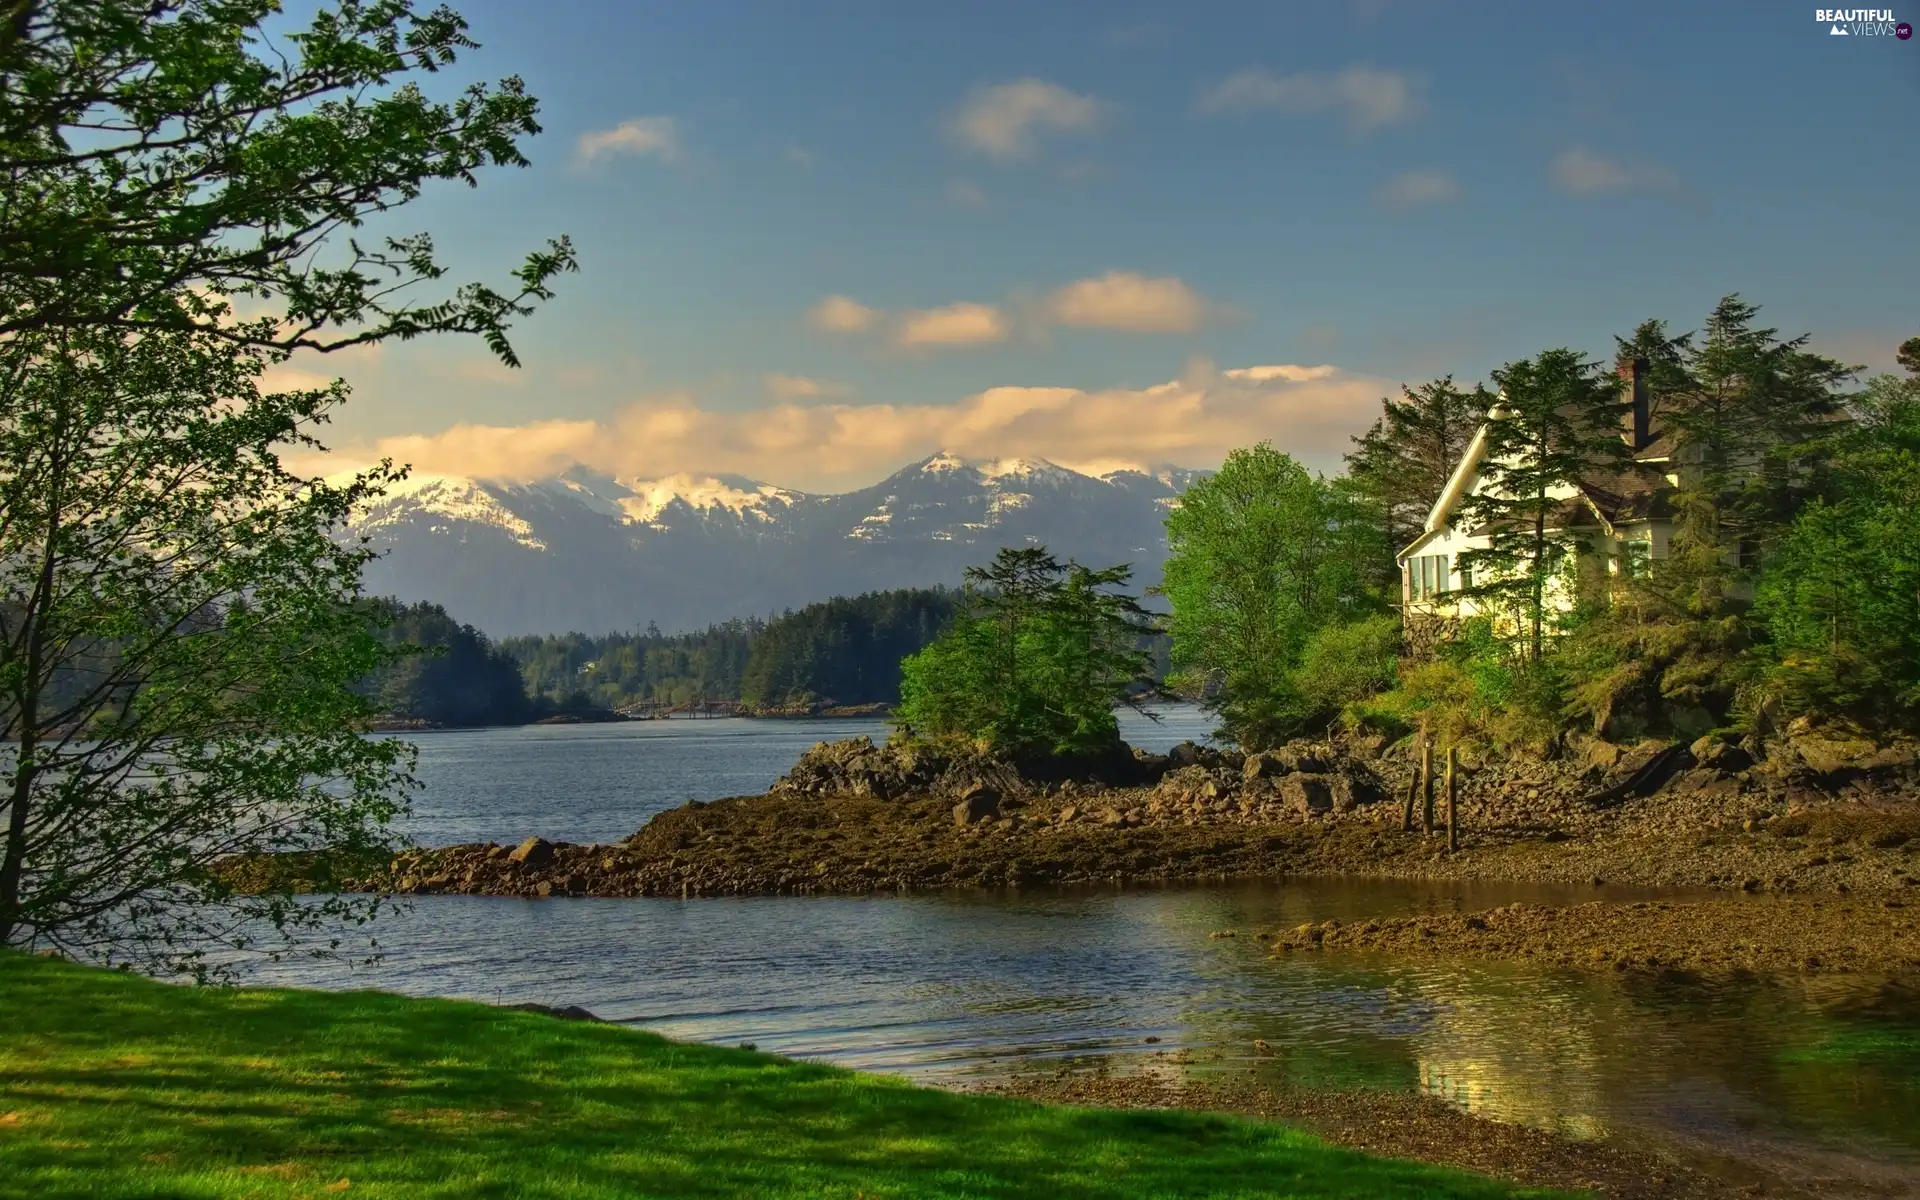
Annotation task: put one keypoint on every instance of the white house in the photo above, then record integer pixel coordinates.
(1626, 518)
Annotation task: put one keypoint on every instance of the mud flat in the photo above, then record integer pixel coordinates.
(1423, 1128)
(1708, 936)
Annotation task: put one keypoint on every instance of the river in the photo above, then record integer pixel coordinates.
(969, 985)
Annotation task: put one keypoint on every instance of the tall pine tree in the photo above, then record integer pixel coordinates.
(1557, 424)
(1402, 462)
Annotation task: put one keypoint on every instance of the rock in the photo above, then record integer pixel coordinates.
(1890, 758)
(572, 1012)
(1832, 755)
(1305, 794)
(543, 889)
(534, 852)
(1698, 779)
(1111, 816)
(1069, 813)
(978, 803)
(1718, 753)
(1602, 756)
(1264, 765)
(1301, 757)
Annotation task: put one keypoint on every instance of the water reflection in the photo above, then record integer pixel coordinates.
(965, 986)
(959, 986)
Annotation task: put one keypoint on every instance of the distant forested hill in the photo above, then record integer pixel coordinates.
(845, 651)
(461, 679)
(617, 669)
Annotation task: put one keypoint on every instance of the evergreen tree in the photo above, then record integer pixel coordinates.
(1403, 462)
(1556, 425)
(1038, 662)
(1749, 419)
(1839, 597)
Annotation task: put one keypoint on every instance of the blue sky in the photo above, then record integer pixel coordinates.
(1387, 190)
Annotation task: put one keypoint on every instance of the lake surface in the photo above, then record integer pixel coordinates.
(599, 783)
(961, 986)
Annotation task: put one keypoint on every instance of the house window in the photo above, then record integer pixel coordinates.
(1427, 576)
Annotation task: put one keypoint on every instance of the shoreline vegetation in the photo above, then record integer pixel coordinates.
(120, 1086)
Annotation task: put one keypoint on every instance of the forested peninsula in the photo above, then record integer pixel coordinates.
(842, 653)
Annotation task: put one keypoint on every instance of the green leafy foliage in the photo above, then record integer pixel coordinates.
(180, 647)
(158, 158)
(181, 636)
(1344, 665)
(1262, 556)
(1035, 664)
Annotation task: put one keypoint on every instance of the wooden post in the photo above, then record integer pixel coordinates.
(1453, 803)
(1413, 789)
(1426, 788)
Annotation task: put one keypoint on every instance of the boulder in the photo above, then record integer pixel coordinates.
(1720, 754)
(1306, 794)
(1265, 764)
(1699, 779)
(1831, 755)
(534, 852)
(1303, 757)
(1069, 813)
(978, 803)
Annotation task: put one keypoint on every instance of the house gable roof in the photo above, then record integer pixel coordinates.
(1637, 492)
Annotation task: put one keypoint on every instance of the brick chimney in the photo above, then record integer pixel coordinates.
(1640, 432)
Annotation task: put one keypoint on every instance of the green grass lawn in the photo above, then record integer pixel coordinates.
(116, 1086)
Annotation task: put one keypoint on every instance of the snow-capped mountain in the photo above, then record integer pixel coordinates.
(589, 552)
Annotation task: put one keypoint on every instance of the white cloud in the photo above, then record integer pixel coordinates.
(1125, 300)
(800, 156)
(841, 314)
(658, 136)
(1367, 97)
(1410, 189)
(966, 194)
(1003, 120)
(1308, 411)
(964, 323)
(1583, 172)
(799, 387)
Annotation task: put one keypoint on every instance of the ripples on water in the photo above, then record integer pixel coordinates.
(962, 985)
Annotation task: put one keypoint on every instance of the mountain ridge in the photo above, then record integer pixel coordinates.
(583, 550)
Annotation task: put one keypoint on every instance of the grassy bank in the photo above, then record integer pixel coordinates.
(116, 1086)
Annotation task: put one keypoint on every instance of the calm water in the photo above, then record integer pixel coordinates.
(961, 986)
(599, 783)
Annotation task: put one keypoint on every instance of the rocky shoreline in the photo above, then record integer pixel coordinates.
(1812, 816)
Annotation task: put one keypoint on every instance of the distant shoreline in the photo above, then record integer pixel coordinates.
(841, 712)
